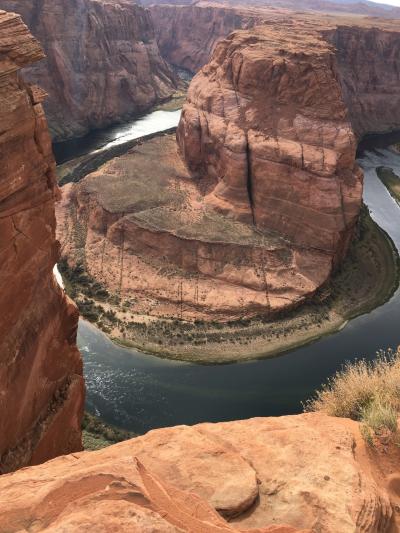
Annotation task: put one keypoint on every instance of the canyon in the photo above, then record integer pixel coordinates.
(249, 209)
(254, 207)
(102, 62)
(188, 34)
(41, 383)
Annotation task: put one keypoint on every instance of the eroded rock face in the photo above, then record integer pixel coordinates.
(41, 382)
(368, 65)
(366, 8)
(187, 35)
(265, 120)
(144, 228)
(256, 474)
(102, 62)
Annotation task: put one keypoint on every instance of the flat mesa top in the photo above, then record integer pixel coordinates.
(151, 187)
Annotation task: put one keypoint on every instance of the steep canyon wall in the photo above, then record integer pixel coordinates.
(368, 60)
(102, 62)
(41, 383)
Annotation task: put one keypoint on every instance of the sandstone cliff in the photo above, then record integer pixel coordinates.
(187, 35)
(102, 62)
(266, 122)
(348, 7)
(311, 472)
(41, 382)
(368, 64)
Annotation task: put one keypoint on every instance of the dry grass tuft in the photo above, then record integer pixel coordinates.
(365, 391)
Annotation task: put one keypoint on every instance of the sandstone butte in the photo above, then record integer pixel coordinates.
(311, 472)
(102, 62)
(41, 383)
(255, 206)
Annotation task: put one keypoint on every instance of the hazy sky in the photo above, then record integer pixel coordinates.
(392, 2)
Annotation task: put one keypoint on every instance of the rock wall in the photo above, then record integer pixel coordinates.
(41, 381)
(187, 35)
(248, 476)
(369, 69)
(268, 139)
(266, 122)
(143, 227)
(102, 62)
(349, 7)
(367, 51)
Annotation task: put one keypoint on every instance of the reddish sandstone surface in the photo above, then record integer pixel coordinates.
(41, 383)
(141, 227)
(310, 471)
(266, 121)
(102, 62)
(259, 205)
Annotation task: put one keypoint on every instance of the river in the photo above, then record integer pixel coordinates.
(141, 392)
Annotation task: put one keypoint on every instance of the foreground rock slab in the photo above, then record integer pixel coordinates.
(309, 471)
(41, 383)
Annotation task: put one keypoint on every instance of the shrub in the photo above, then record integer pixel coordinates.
(365, 391)
(380, 417)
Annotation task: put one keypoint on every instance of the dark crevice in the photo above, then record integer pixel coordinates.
(249, 183)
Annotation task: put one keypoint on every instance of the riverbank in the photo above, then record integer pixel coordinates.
(76, 169)
(96, 434)
(391, 181)
(367, 279)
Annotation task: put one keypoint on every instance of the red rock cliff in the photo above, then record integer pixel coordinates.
(369, 65)
(266, 122)
(102, 66)
(187, 34)
(41, 383)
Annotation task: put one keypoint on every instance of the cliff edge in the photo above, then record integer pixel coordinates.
(41, 383)
(310, 471)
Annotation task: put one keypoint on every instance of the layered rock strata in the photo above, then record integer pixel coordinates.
(265, 121)
(102, 62)
(187, 35)
(368, 61)
(141, 227)
(247, 476)
(41, 382)
(342, 7)
(259, 205)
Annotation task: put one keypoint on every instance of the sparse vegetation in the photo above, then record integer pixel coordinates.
(366, 279)
(97, 434)
(368, 392)
(391, 181)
